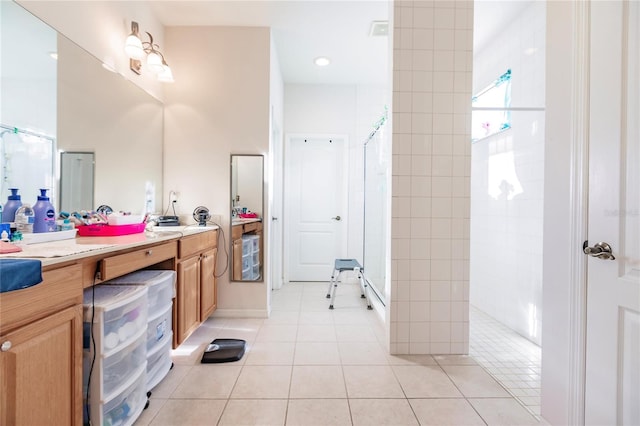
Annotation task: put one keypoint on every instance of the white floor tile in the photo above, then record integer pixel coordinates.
(308, 365)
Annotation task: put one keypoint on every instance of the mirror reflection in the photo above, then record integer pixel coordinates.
(76, 180)
(81, 107)
(247, 177)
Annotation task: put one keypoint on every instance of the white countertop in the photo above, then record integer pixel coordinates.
(71, 249)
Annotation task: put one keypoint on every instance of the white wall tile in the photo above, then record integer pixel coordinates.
(441, 207)
(440, 331)
(420, 291)
(421, 144)
(421, 207)
(423, 39)
(419, 311)
(440, 291)
(420, 165)
(437, 123)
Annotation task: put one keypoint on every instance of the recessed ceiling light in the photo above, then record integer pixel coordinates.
(322, 61)
(54, 55)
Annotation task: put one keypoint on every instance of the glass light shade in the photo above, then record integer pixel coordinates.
(133, 47)
(166, 76)
(154, 63)
(322, 61)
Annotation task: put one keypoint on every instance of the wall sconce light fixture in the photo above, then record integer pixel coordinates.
(137, 49)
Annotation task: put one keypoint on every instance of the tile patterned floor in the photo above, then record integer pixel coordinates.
(510, 358)
(307, 365)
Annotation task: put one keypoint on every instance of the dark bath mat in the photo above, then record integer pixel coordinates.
(223, 350)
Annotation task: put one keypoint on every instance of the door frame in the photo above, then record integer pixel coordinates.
(579, 216)
(287, 185)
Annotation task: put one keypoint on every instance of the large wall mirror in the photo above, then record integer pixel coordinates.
(81, 106)
(247, 207)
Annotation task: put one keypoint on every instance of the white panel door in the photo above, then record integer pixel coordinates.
(316, 176)
(613, 289)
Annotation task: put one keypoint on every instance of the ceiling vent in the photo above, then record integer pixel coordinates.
(379, 28)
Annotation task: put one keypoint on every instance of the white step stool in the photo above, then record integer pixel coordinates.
(339, 267)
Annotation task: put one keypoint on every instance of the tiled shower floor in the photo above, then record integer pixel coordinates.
(510, 358)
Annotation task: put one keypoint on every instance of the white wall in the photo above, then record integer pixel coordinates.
(101, 27)
(334, 109)
(218, 105)
(506, 231)
(433, 42)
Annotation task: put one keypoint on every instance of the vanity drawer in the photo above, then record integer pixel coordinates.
(197, 243)
(115, 266)
(59, 288)
(253, 226)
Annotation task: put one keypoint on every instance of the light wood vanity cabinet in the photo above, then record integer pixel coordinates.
(41, 326)
(196, 286)
(41, 351)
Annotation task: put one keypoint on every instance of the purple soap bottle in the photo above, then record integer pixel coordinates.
(45, 214)
(13, 204)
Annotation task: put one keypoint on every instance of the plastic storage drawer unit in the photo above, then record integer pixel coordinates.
(115, 331)
(160, 284)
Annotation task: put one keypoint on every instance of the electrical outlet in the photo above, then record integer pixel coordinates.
(216, 218)
(173, 195)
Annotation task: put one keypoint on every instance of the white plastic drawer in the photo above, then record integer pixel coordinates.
(115, 369)
(246, 261)
(125, 408)
(246, 273)
(246, 244)
(160, 285)
(255, 243)
(159, 326)
(159, 362)
(255, 272)
(118, 314)
(255, 259)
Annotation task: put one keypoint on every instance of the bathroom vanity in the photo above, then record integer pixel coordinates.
(41, 327)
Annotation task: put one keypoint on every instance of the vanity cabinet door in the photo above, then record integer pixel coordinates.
(237, 259)
(188, 300)
(208, 294)
(41, 370)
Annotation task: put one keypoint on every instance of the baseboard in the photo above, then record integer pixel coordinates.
(241, 313)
